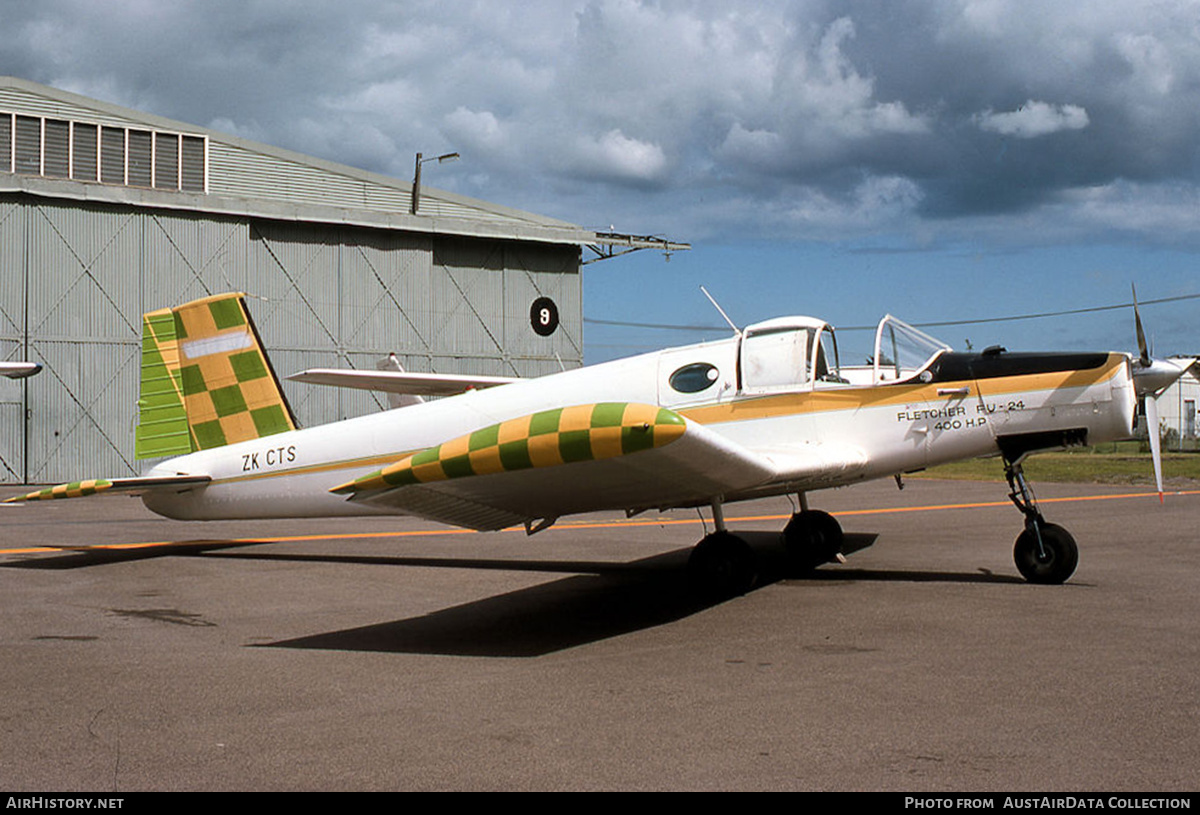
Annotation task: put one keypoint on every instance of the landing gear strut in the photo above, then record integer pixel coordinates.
(1044, 552)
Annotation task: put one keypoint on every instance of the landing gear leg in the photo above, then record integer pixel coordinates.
(812, 538)
(722, 564)
(1044, 552)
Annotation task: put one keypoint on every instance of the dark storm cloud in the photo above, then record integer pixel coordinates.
(807, 119)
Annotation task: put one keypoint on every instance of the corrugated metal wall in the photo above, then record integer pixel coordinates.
(237, 168)
(241, 172)
(83, 276)
(75, 279)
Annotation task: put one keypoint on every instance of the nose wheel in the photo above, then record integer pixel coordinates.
(1045, 552)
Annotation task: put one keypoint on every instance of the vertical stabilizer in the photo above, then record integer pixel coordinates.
(205, 379)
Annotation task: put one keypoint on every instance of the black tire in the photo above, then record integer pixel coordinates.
(1061, 555)
(812, 538)
(723, 565)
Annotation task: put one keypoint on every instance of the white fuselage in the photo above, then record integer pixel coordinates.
(896, 427)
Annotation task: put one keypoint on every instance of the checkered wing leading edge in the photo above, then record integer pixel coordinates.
(562, 461)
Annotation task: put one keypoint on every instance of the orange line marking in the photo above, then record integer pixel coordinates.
(567, 525)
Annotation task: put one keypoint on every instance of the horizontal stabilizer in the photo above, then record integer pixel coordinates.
(114, 486)
(404, 382)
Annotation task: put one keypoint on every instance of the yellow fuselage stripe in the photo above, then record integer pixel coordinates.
(838, 399)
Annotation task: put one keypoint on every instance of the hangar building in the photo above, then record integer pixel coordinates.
(107, 212)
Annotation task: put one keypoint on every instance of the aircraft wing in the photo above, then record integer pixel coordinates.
(19, 370)
(577, 459)
(402, 382)
(113, 486)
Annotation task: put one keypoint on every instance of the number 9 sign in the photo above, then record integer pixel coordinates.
(543, 316)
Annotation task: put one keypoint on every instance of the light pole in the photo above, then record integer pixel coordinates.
(416, 190)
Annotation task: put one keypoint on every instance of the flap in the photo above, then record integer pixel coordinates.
(816, 465)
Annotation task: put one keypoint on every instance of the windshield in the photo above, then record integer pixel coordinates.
(902, 351)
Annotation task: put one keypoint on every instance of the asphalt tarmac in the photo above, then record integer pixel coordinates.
(395, 654)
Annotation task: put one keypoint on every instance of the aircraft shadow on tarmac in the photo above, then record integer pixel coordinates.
(609, 600)
(597, 601)
(84, 557)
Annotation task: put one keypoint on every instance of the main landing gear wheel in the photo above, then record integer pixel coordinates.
(723, 565)
(1050, 560)
(812, 538)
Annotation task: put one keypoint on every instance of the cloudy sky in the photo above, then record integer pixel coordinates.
(939, 159)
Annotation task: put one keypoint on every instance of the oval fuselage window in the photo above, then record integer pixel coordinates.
(695, 377)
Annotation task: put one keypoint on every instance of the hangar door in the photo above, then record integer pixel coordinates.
(12, 342)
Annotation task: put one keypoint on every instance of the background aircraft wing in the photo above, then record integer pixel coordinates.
(19, 370)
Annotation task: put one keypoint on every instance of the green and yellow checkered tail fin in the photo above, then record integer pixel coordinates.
(206, 381)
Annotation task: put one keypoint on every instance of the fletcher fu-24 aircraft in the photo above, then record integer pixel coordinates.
(768, 411)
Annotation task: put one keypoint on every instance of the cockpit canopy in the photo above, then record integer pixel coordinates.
(790, 352)
(902, 351)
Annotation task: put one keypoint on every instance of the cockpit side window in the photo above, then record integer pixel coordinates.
(789, 357)
(774, 360)
(827, 363)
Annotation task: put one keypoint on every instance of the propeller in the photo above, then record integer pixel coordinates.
(1150, 378)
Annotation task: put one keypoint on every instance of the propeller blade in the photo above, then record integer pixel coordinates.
(1150, 378)
(1155, 442)
(1141, 335)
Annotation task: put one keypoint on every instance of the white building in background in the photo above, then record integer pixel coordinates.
(1177, 408)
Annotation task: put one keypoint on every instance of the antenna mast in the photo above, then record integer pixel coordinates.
(717, 306)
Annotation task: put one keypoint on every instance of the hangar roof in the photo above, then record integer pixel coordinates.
(62, 145)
